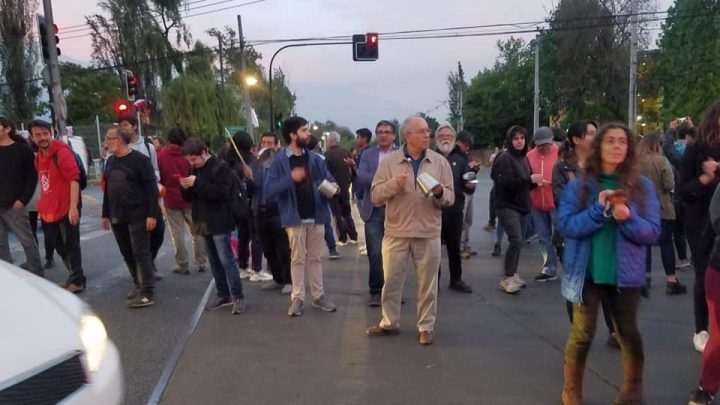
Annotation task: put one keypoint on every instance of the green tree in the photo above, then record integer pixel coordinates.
(501, 96)
(89, 92)
(687, 65)
(433, 124)
(19, 92)
(456, 94)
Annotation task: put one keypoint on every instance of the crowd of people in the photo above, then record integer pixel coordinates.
(596, 199)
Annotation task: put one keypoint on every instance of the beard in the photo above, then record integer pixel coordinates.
(445, 147)
(302, 142)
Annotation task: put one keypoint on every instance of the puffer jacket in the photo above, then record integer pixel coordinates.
(578, 226)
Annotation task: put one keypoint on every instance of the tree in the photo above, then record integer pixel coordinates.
(456, 94)
(19, 93)
(433, 124)
(687, 65)
(501, 96)
(89, 92)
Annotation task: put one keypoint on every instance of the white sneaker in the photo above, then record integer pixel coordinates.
(264, 275)
(255, 276)
(683, 264)
(352, 241)
(509, 285)
(245, 273)
(700, 340)
(519, 281)
(287, 289)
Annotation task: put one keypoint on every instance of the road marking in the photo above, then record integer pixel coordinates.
(94, 234)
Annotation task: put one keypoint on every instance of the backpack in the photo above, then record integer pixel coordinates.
(82, 181)
(240, 203)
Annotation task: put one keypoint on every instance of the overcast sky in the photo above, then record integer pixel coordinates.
(409, 77)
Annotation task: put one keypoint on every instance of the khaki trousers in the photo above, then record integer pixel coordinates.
(179, 221)
(424, 254)
(306, 245)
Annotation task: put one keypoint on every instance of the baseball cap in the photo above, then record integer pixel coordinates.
(543, 136)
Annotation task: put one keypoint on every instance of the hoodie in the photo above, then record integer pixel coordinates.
(542, 197)
(55, 179)
(511, 174)
(173, 165)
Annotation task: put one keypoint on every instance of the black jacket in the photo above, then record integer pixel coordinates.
(335, 159)
(210, 198)
(511, 173)
(694, 196)
(459, 164)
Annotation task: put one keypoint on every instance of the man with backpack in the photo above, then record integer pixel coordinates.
(60, 200)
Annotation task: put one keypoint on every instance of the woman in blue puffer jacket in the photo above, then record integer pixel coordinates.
(608, 217)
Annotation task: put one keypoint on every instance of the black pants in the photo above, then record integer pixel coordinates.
(135, 242)
(66, 239)
(701, 244)
(275, 246)
(33, 217)
(679, 232)
(48, 241)
(667, 251)
(451, 231)
(157, 236)
(492, 216)
(343, 216)
(249, 245)
(514, 224)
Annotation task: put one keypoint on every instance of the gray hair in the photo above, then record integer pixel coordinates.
(334, 136)
(124, 134)
(406, 124)
(445, 126)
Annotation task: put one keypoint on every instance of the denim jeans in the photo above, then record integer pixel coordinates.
(222, 263)
(133, 240)
(513, 222)
(667, 250)
(330, 237)
(543, 221)
(374, 234)
(67, 243)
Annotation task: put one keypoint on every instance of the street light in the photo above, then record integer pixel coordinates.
(639, 117)
(251, 81)
(315, 127)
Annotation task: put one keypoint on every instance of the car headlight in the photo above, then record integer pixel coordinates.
(94, 339)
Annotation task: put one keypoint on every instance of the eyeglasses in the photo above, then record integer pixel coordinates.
(384, 132)
(420, 131)
(111, 138)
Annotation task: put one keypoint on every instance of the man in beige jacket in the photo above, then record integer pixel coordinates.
(412, 226)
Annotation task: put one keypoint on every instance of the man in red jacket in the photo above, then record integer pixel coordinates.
(178, 213)
(59, 204)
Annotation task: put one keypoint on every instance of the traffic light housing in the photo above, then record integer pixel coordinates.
(365, 47)
(278, 121)
(46, 37)
(131, 83)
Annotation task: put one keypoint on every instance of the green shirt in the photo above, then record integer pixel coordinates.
(603, 259)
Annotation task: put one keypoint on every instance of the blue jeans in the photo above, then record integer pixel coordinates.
(374, 234)
(222, 263)
(329, 237)
(499, 233)
(543, 223)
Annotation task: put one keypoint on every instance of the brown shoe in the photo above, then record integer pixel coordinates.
(426, 338)
(75, 288)
(378, 330)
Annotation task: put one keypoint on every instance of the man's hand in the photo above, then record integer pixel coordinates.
(470, 186)
(402, 179)
(105, 224)
(349, 161)
(674, 124)
(473, 165)
(150, 224)
(337, 188)
(74, 216)
(621, 212)
(298, 174)
(536, 178)
(438, 191)
(247, 172)
(18, 204)
(710, 167)
(187, 182)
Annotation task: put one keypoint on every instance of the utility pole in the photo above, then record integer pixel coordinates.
(58, 100)
(632, 88)
(247, 104)
(461, 96)
(536, 102)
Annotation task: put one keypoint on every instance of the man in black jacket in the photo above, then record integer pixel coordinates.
(130, 207)
(339, 164)
(453, 216)
(209, 188)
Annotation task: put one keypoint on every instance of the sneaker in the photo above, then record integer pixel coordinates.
(255, 276)
(460, 286)
(519, 281)
(134, 293)
(378, 330)
(245, 273)
(532, 239)
(497, 250)
(352, 241)
(296, 307)
(341, 243)
(219, 303)
(141, 300)
(700, 340)
(489, 226)
(363, 252)
(542, 277)
(375, 300)
(700, 397)
(425, 338)
(509, 285)
(465, 254)
(287, 289)
(680, 265)
(334, 255)
(323, 304)
(271, 286)
(201, 269)
(238, 306)
(49, 264)
(675, 288)
(264, 275)
(75, 288)
(180, 270)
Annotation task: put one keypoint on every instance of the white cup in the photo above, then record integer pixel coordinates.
(327, 189)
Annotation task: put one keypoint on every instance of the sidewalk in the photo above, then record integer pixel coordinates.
(490, 347)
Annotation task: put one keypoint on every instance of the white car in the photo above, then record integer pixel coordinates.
(54, 348)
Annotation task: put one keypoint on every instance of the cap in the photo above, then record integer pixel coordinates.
(543, 136)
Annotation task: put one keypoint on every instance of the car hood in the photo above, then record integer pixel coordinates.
(40, 322)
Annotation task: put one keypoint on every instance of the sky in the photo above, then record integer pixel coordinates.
(410, 76)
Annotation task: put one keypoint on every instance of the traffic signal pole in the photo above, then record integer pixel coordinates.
(270, 73)
(247, 103)
(58, 100)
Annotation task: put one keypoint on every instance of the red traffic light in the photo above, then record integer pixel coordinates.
(132, 80)
(55, 29)
(373, 39)
(122, 107)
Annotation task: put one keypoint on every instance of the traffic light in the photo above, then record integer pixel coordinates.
(278, 121)
(131, 82)
(46, 37)
(122, 107)
(365, 47)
